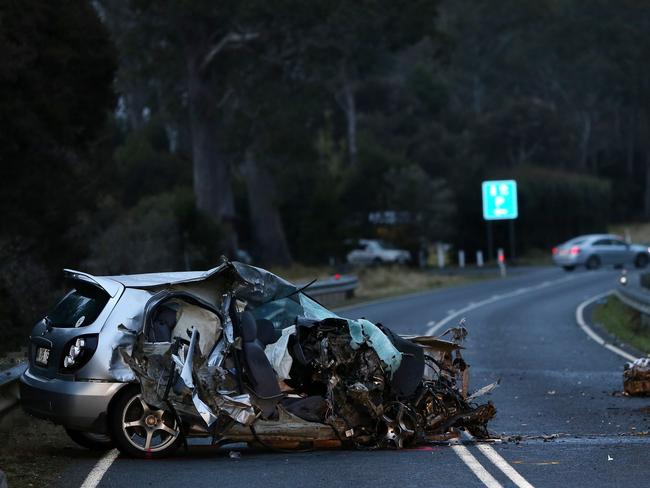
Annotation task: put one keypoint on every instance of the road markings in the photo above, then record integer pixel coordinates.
(580, 318)
(477, 468)
(98, 472)
(495, 298)
(496, 459)
(503, 465)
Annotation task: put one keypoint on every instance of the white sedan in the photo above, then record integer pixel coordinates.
(373, 251)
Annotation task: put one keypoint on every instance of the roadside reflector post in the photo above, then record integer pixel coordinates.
(502, 262)
(441, 256)
(461, 259)
(479, 259)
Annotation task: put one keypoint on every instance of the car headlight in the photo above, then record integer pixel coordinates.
(78, 352)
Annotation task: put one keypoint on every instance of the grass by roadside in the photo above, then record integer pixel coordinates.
(623, 322)
(639, 232)
(385, 281)
(34, 452)
(382, 282)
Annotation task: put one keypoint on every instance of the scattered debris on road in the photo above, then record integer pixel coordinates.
(636, 377)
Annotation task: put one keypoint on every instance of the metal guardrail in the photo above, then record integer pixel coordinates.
(345, 284)
(633, 294)
(9, 394)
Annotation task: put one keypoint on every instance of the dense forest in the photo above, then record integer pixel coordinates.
(140, 135)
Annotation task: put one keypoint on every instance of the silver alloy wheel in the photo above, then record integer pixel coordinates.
(148, 429)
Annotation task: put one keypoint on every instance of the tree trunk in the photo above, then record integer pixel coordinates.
(630, 149)
(211, 175)
(268, 233)
(646, 192)
(585, 141)
(350, 108)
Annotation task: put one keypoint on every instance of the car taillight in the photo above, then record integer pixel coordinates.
(575, 250)
(554, 251)
(78, 352)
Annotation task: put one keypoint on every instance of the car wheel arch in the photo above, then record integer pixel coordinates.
(594, 261)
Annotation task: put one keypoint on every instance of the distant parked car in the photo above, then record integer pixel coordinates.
(373, 251)
(595, 250)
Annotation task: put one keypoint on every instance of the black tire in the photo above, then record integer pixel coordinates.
(593, 262)
(90, 440)
(641, 261)
(377, 262)
(157, 428)
(569, 268)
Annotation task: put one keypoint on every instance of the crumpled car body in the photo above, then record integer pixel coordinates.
(241, 355)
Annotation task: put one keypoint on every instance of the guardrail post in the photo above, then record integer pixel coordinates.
(479, 258)
(441, 256)
(461, 259)
(502, 262)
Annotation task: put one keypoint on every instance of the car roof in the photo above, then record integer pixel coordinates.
(590, 237)
(254, 284)
(150, 280)
(146, 280)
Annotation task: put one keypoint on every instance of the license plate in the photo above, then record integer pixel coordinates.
(42, 356)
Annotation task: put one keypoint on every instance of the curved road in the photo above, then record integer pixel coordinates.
(557, 392)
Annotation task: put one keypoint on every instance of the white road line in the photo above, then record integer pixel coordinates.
(500, 462)
(580, 318)
(477, 468)
(98, 472)
(503, 465)
(495, 298)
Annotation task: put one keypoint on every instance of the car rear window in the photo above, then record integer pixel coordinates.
(575, 242)
(80, 307)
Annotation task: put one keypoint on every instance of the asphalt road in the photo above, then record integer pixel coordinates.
(556, 384)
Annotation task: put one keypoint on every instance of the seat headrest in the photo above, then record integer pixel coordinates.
(248, 327)
(265, 331)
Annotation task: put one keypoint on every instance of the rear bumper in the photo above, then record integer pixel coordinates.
(79, 405)
(567, 260)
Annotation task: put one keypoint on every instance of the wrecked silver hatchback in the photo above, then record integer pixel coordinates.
(267, 364)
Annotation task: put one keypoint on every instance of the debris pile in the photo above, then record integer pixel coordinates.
(636, 377)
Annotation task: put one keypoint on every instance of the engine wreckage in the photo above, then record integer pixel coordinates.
(262, 362)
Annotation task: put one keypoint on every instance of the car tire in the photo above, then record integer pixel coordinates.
(569, 268)
(593, 262)
(377, 262)
(641, 261)
(141, 431)
(90, 440)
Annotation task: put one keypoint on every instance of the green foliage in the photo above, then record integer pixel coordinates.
(56, 72)
(163, 232)
(556, 205)
(623, 322)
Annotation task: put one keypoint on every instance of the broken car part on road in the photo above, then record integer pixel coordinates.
(636, 377)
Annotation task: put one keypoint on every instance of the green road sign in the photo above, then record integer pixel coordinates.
(500, 200)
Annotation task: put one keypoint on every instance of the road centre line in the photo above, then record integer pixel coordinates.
(477, 468)
(472, 306)
(580, 318)
(99, 470)
(491, 453)
(498, 460)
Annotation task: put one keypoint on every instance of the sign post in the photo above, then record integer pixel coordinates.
(500, 203)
